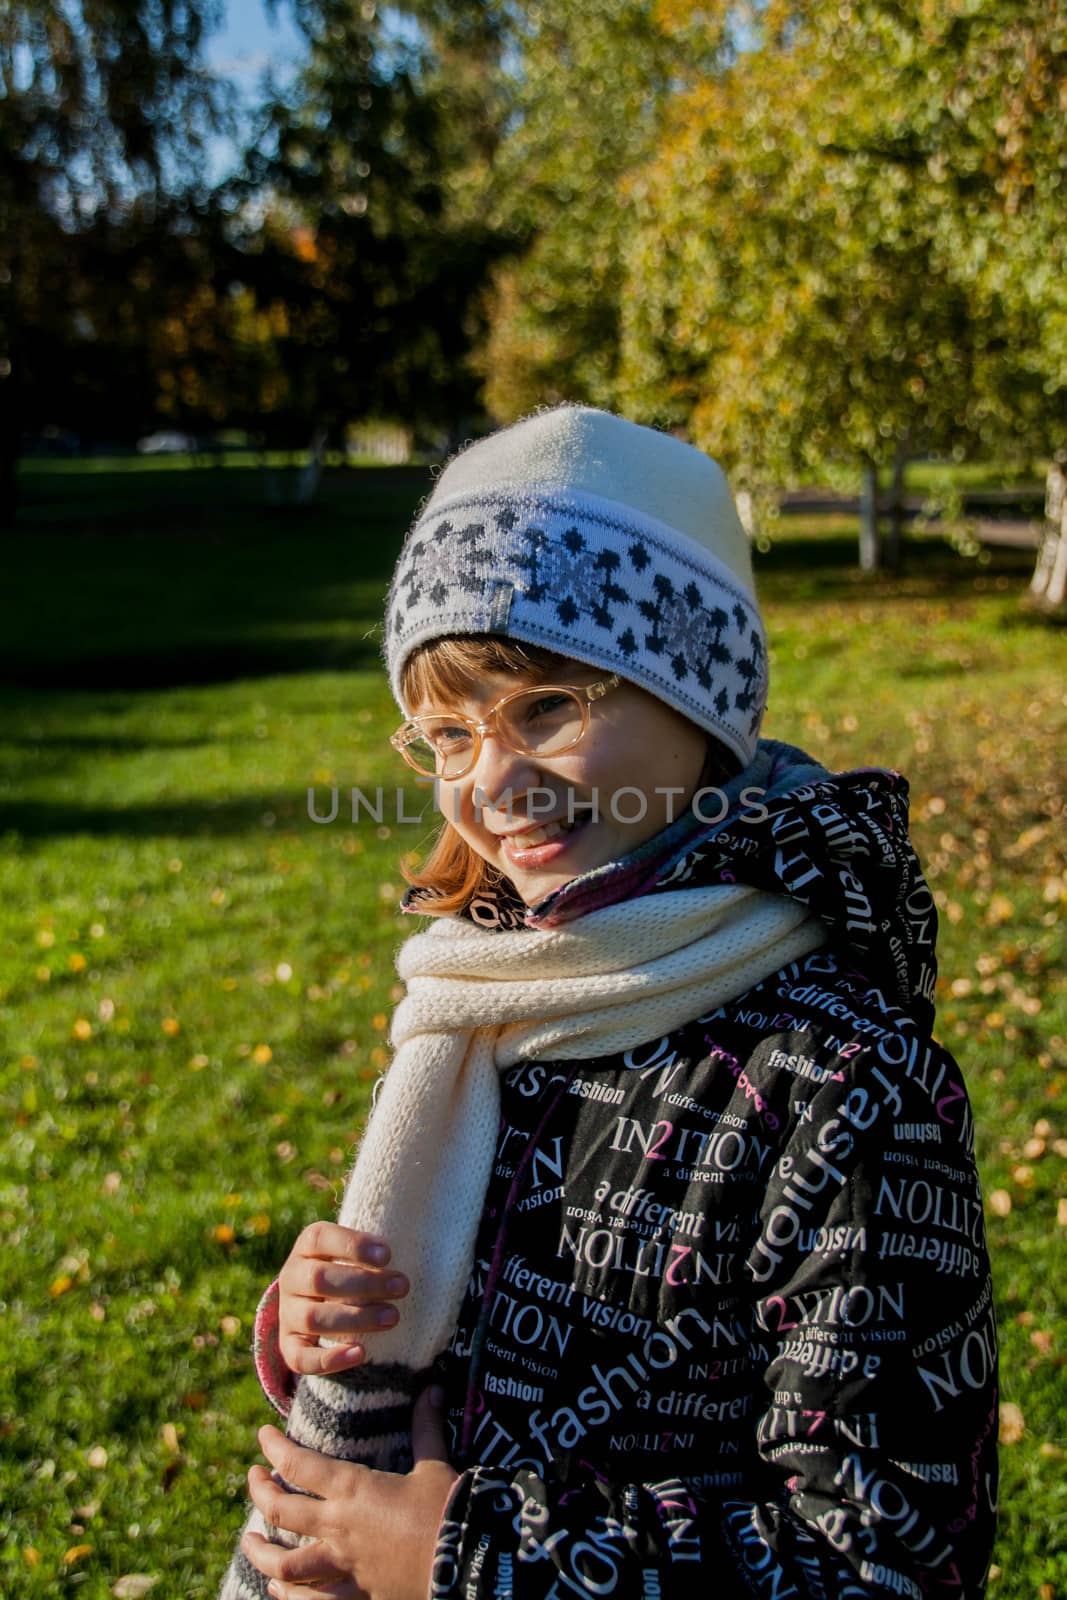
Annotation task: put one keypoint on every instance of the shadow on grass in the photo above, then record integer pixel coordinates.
(822, 566)
(113, 744)
(155, 579)
(282, 812)
(207, 663)
(108, 584)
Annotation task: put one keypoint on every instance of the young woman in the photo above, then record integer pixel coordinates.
(661, 1269)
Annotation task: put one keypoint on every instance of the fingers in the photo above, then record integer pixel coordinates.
(428, 1426)
(334, 1286)
(331, 1242)
(304, 1322)
(307, 1573)
(296, 1513)
(321, 1280)
(343, 1589)
(307, 1564)
(306, 1469)
(308, 1356)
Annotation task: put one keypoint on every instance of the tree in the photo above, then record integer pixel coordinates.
(360, 235)
(798, 294)
(589, 84)
(101, 107)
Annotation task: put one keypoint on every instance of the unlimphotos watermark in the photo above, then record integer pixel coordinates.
(627, 805)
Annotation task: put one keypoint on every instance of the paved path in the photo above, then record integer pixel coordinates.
(1011, 527)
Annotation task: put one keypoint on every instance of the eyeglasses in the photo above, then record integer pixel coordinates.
(542, 721)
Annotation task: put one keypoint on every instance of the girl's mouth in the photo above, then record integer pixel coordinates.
(542, 844)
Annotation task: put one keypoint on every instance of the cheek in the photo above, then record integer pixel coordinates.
(456, 807)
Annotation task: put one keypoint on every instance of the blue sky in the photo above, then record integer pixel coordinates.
(249, 41)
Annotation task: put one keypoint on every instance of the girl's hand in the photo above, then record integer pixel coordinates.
(374, 1532)
(335, 1285)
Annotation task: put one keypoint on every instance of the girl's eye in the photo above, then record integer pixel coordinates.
(450, 737)
(545, 705)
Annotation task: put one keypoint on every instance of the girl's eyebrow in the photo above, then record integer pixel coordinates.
(474, 703)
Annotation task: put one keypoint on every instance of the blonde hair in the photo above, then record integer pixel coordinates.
(454, 874)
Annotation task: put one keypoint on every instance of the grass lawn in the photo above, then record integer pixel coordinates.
(195, 978)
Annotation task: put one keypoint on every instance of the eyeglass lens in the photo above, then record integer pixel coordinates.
(539, 722)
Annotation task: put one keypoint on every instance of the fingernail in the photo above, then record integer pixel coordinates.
(376, 1252)
(273, 1588)
(437, 1395)
(395, 1285)
(385, 1316)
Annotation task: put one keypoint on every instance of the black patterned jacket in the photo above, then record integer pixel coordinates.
(730, 1325)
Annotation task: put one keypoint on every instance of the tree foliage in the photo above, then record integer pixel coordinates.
(589, 89)
(105, 110)
(370, 250)
(832, 258)
(810, 236)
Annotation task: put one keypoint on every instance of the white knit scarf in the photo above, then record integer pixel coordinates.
(477, 1002)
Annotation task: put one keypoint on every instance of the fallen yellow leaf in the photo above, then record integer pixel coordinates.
(1000, 909)
(1012, 1422)
(133, 1585)
(76, 1553)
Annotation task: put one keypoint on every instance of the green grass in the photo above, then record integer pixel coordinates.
(195, 978)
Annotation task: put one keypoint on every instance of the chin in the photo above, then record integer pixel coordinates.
(532, 888)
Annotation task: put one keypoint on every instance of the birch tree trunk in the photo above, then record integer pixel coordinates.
(870, 541)
(895, 538)
(1048, 586)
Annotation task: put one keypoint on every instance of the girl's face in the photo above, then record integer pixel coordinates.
(516, 811)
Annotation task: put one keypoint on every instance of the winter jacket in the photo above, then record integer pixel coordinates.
(730, 1320)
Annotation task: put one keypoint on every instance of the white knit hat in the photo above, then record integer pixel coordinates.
(605, 541)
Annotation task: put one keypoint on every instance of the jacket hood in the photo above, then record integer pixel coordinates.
(836, 842)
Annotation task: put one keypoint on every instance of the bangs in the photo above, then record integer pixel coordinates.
(445, 668)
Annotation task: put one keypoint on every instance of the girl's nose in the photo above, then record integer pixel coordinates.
(500, 772)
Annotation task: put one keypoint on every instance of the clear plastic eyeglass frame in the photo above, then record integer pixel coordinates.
(584, 696)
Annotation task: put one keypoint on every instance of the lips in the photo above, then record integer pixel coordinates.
(539, 847)
(541, 835)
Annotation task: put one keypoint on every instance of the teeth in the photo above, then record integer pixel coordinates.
(527, 841)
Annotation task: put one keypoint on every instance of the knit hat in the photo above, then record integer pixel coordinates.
(608, 542)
